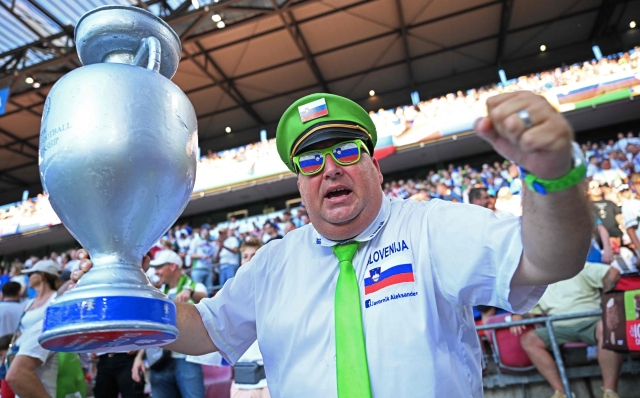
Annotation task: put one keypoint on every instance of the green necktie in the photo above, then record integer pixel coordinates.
(352, 372)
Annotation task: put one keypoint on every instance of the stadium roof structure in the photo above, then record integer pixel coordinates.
(245, 61)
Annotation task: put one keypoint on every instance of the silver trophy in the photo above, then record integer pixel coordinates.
(118, 148)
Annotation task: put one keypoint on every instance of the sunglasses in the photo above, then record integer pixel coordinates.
(345, 153)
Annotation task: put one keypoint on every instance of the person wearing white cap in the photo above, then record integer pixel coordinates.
(175, 376)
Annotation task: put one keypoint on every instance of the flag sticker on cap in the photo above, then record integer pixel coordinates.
(313, 110)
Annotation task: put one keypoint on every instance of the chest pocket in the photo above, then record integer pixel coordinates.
(388, 277)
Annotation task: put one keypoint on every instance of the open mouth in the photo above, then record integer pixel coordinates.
(338, 192)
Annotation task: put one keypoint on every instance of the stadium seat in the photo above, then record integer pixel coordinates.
(217, 381)
(507, 351)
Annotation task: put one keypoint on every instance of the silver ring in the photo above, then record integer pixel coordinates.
(526, 118)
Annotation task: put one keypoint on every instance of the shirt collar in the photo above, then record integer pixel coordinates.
(369, 233)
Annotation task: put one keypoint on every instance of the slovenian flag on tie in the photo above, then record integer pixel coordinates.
(313, 110)
(391, 276)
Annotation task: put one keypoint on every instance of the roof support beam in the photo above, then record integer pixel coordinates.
(505, 17)
(294, 31)
(18, 140)
(26, 25)
(405, 43)
(226, 85)
(65, 28)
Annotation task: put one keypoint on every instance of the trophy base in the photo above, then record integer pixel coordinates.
(108, 324)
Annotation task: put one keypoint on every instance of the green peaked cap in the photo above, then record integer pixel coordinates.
(342, 114)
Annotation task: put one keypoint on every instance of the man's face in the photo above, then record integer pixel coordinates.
(483, 200)
(247, 254)
(342, 200)
(606, 164)
(632, 149)
(594, 189)
(165, 272)
(636, 188)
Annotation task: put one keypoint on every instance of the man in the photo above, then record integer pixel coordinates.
(613, 177)
(114, 379)
(578, 294)
(607, 211)
(228, 251)
(203, 254)
(178, 377)
(479, 197)
(631, 213)
(352, 305)
(270, 232)
(10, 308)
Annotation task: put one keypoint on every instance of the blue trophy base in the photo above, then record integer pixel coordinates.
(108, 324)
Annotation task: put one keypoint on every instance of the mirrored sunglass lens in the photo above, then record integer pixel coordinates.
(311, 162)
(347, 152)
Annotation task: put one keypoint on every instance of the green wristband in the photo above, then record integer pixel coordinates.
(542, 186)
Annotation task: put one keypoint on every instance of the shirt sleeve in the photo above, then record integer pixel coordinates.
(475, 254)
(200, 288)
(30, 347)
(230, 316)
(629, 215)
(593, 273)
(615, 208)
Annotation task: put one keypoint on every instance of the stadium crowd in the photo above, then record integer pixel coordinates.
(224, 167)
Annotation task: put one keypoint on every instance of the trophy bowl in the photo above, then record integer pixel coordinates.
(117, 157)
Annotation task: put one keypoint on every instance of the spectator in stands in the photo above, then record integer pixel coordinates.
(19, 277)
(10, 308)
(271, 232)
(5, 342)
(229, 256)
(593, 167)
(578, 294)
(479, 197)
(44, 278)
(113, 377)
(203, 254)
(612, 177)
(177, 377)
(631, 212)
(289, 226)
(606, 211)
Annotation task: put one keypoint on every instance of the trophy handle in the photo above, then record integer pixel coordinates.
(149, 51)
(127, 35)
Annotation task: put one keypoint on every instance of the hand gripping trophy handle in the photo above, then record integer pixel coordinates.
(118, 148)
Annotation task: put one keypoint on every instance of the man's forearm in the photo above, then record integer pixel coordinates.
(193, 338)
(556, 234)
(631, 231)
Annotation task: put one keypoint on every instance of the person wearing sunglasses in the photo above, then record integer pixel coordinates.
(373, 298)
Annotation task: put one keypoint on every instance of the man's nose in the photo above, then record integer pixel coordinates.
(331, 167)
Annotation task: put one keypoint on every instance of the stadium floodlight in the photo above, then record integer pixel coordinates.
(29, 80)
(228, 130)
(221, 25)
(36, 85)
(415, 98)
(503, 77)
(597, 52)
(195, 4)
(543, 48)
(216, 18)
(372, 93)
(632, 24)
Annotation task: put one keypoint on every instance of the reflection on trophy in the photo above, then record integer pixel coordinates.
(118, 147)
